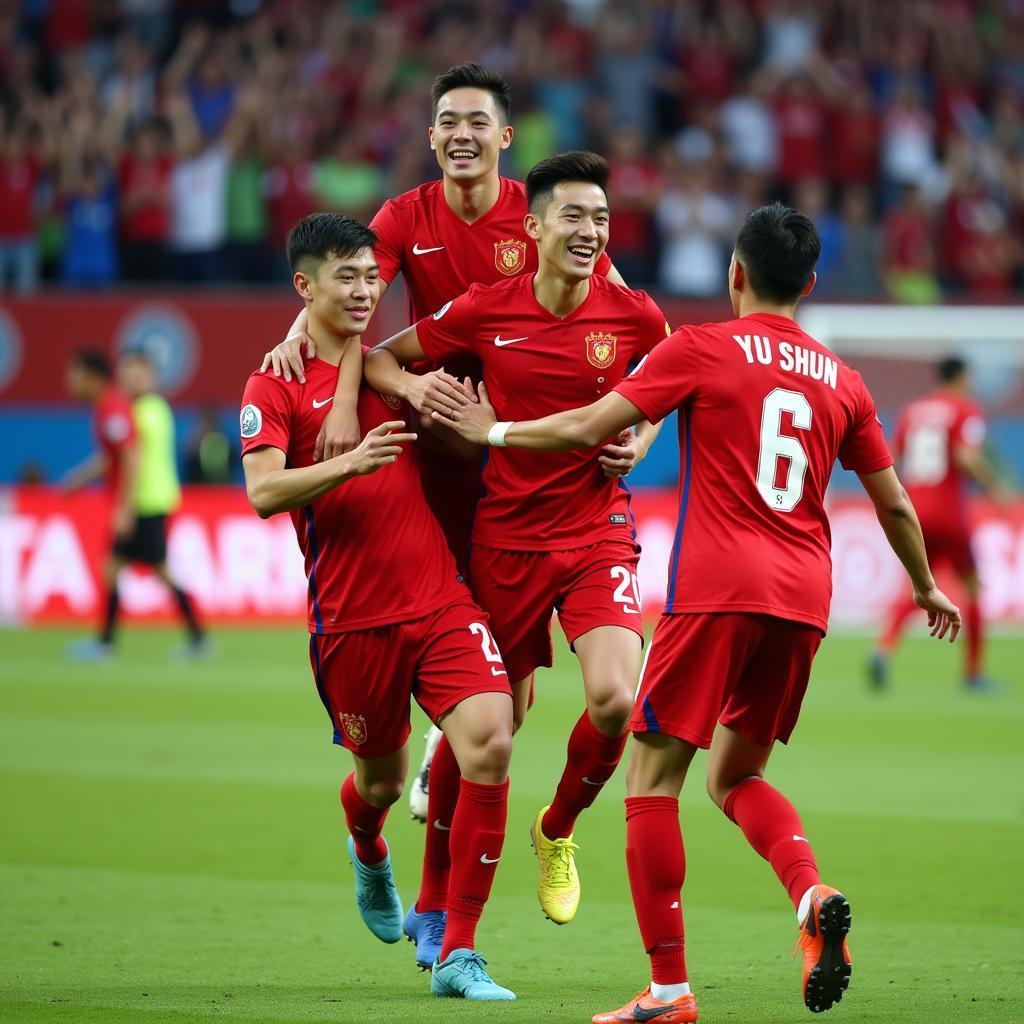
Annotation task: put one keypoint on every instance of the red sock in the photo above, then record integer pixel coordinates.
(591, 756)
(898, 615)
(975, 638)
(773, 829)
(364, 823)
(442, 798)
(656, 865)
(478, 833)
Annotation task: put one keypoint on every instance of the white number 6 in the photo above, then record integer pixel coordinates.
(775, 446)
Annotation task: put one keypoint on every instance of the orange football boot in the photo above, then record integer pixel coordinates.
(827, 964)
(644, 1006)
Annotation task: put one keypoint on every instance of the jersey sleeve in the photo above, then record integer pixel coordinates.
(603, 265)
(266, 413)
(969, 429)
(653, 325)
(117, 426)
(863, 449)
(388, 250)
(666, 378)
(451, 329)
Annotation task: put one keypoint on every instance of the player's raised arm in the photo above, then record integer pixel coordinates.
(436, 391)
(899, 521)
(585, 427)
(272, 488)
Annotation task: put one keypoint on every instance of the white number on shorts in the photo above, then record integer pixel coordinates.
(488, 646)
(775, 446)
(627, 593)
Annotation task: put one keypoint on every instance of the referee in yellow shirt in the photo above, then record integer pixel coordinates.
(157, 493)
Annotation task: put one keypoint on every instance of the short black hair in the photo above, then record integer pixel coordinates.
(472, 76)
(93, 361)
(951, 369)
(778, 247)
(576, 165)
(320, 236)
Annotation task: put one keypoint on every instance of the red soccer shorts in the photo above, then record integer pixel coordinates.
(949, 544)
(588, 587)
(366, 677)
(747, 671)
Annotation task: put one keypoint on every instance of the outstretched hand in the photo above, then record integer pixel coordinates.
(474, 419)
(381, 446)
(943, 615)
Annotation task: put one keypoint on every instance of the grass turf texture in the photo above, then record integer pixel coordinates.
(172, 850)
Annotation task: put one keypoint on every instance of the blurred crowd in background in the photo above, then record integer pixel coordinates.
(178, 140)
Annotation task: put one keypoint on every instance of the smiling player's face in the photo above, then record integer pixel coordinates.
(468, 134)
(572, 231)
(345, 291)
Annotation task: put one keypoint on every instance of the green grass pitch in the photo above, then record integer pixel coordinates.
(171, 850)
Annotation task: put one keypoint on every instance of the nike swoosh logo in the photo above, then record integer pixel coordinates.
(440, 827)
(642, 1014)
(417, 251)
(591, 782)
(501, 342)
(320, 405)
(484, 859)
(800, 839)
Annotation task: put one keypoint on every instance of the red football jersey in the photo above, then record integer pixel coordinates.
(764, 411)
(535, 364)
(114, 424)
(440, 255)
(928, 433)
(374, 553)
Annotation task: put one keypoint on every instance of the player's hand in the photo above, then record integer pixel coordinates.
(381, 446)
(122, 522)
(943, 615)
(436, 391)
(619, 458)
(473, 420)
(338, 434)
(286, 357)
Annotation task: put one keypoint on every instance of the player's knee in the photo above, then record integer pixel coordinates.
(384, 792)
(716, 790)
(489, 757)
(611, 713)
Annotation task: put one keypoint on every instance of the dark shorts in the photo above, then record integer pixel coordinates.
(748, 672)
(146, 544)
(367, 677)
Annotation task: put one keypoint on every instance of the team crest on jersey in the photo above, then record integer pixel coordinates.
(391, 401)
(250, 421)
(510, 256)
(600, 349)
(354, 727)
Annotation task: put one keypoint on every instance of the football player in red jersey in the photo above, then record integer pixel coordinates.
(552, 533)
(764, 411)
(389, 614)
(939, 443)
(443, 237)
